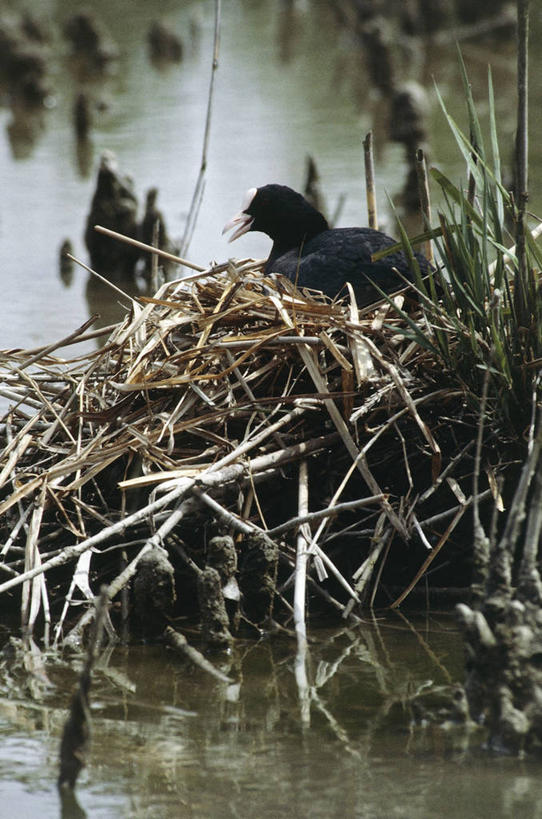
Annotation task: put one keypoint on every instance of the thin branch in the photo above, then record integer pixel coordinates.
(198, 192)
(156, 251)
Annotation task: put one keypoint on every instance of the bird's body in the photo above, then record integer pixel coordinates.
(309, 253)
(333, 257)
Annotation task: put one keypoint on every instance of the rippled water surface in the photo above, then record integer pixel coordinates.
(170, 741)
(289, 83)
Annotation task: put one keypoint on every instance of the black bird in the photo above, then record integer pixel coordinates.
(308, 252)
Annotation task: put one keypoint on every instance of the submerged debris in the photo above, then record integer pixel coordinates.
(153, 231)
(89, 39)
(154, 592)
(503, 628)
(258, 578)
(65, 264)
(24, 59)
(82, 117)
(114, 206)
(164, 44)
(215, 630)
(75, 742)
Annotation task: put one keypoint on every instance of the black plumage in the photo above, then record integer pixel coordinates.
(308, 252)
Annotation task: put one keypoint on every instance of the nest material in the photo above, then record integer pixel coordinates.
(202, 404)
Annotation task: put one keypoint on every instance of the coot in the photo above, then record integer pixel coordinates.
(308, 252)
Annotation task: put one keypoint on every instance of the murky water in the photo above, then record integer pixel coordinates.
(170, 741)
(289, 83)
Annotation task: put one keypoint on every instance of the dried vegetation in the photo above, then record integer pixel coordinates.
(202, 413)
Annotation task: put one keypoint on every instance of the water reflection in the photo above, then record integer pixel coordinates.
(331, 738)
(331, 734)
(24, 129)
(292, 81)
(290, 24)
(84, 156)
(109, 305)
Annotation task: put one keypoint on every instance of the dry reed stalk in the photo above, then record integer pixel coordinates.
(162, 254)
(370, 189)
(425, 201)
(198, 190)
(303, 538)
(33, 590)
(430, 558)
(211, 388)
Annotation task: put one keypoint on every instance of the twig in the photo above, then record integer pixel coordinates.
(446, 472)
(192, 213)
(429, 559)
(179, 643)
(522, 284)
(363, 575)
(15, 452)
(76, 735)
(45, 351)
(218, 474)
(102, 279)
(247, 528)
(502, 554)
(352, 449)
(327, 512)
(480, 540)
(156, 251)
(15, 531)
(448, 513)
(33, 590)
(112, 590)
(407, 398)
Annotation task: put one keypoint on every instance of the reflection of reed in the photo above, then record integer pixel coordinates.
(107, 303)
(357, 679)
(159, 713)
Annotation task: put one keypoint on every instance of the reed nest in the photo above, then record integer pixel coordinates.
(233, 405)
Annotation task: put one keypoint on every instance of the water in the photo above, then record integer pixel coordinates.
(169, 741)
(288, 84)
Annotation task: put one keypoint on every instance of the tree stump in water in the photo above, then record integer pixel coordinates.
(214, 618)
(222, 556)
(258, 578)
(154, 592)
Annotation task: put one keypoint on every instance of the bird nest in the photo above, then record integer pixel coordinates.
(232, 406)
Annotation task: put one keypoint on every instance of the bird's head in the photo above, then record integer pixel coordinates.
(284, 215)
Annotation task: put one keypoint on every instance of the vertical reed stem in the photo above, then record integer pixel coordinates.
(521, 288)
(370, 180)
(425, 200)
(198, 190)
(302, 556)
